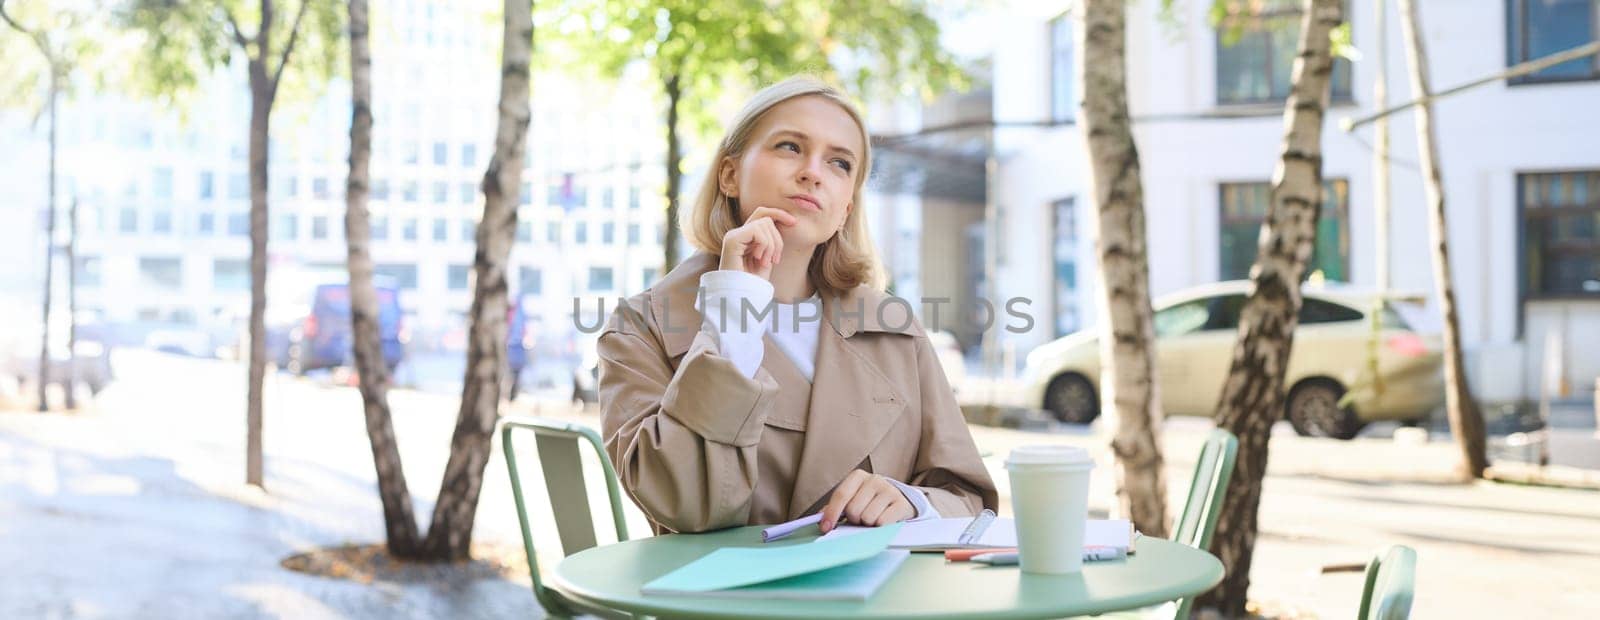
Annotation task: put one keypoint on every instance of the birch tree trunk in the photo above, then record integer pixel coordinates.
(1127, 338)
(450, 535)
(1466, 420)
(399, 522)
(1253, 393)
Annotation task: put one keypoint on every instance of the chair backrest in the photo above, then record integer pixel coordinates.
(1390, 584)
(560, 457)
(1212, 472)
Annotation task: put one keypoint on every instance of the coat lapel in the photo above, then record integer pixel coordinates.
(853, 405)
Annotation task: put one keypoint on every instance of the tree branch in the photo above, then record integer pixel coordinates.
(38, 38)
(237, 32)
(288, 48)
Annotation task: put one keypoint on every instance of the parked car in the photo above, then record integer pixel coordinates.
(92, 347)
(306, 334)
(1195, 333)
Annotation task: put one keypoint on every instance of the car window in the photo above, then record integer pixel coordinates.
(1189, 316)
(1318, 311)
(1225, 313)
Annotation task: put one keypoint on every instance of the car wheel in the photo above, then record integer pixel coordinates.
(1071, 399)
(296, 365)
(1313, 410)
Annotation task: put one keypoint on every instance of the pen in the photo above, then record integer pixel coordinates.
(782, 530)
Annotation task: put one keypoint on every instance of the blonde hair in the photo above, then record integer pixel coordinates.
(847, 259)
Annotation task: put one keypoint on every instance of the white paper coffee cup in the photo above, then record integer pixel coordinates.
(1050, 499)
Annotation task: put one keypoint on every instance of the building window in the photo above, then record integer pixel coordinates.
(403, 275)
(633, 234)
(552, 232)
(1255, 52)
(459, 277)
(608, 198)
(205, 223)
(161, 222)
(469, 155)
(319, 188)
(288, 227)
(208, 188)
(441, 230)
(238, 187)
(230, 274)
(1244, 207)
(441, 192)
(88, 271)
(440, 153)
(1064, 247)
(319, 227)
(530, 281)
(1560, 233)
(526, 196)
(1538, 28)
(524, 232)
(599, 279)
(161, 273)
(469, 229)
(648, 276)
(408, 229)
(380, 189)
(633, 198)
(608, 233)
(161, 183)
(1063, 106)
(409, 192)
(469, 193)
(239, 224)
(580, 233)
(379, 228)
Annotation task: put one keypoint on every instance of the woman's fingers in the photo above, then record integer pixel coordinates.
(842, 495)
(876, 511)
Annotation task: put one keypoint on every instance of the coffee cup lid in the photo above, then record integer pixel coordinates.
(1050, 455)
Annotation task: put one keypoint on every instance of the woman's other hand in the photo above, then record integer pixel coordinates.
(866, 499)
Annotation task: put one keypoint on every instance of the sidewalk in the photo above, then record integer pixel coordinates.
(136, 509)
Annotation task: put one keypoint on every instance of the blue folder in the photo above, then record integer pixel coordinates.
(851, 567)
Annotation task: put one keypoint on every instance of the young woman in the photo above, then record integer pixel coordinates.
(768, 376)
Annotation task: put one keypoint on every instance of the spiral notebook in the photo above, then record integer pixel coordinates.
(995, 533)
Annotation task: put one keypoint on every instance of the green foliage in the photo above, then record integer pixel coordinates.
(71, 32)
(181, 42)
(881, 48)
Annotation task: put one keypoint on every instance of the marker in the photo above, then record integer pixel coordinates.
(1004, 558)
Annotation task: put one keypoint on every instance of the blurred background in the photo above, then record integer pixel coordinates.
(979, 191)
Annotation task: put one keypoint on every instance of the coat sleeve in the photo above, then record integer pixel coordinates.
(684, 443)
(948, 469)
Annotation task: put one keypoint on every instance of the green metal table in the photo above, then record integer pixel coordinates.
(926, 586)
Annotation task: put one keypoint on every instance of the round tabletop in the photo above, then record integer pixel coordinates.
(926, 586)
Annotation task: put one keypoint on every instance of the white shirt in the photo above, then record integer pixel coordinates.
(737, 310)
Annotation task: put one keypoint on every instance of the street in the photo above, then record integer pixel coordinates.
(135, 508)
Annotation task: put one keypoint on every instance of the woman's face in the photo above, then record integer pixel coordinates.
(802, 158)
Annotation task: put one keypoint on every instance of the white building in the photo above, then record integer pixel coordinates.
(165, 199)
(1520, 162)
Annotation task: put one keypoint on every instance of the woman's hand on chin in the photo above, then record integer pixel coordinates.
(756, 246)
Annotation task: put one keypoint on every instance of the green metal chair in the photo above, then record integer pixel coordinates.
(1391, 582)
(558, 445)
(1198, 521)
(1211, 475)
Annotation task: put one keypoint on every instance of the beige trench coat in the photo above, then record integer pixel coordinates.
(699, 446)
